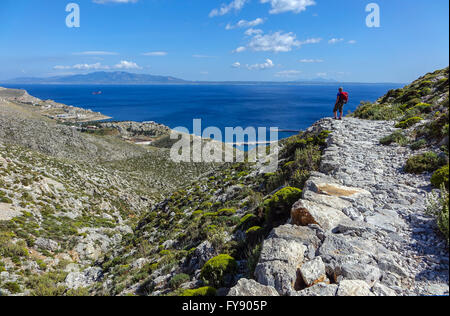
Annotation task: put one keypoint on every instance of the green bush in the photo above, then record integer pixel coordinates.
(409, 122)
(5, 200)
(179, 279)
(226, 212)
(421, 163)
(217, 269)
(418, 144)
(203, 291)
(248, 221)
(437, 205)
(373, 111)
(396, 137)
(279, 206)
(13, 287)
(440, 177)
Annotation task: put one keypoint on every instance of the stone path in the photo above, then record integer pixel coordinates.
(361, 227)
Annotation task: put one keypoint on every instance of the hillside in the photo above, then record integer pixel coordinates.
(357, 207)
(68, 196)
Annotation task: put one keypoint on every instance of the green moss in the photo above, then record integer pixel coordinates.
(421, 163)
(440, 177)
(216, 270)
(254, 230)
(279, 206)
(226, 212)
(204, 291)
(409, 122)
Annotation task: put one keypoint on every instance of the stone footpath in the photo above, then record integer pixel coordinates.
(360, 229)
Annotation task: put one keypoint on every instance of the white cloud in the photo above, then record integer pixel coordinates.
(310, 61)
(267, 64)
(335, 40)
(126, 65)
(98, 66)
(276, 42)
(240, 49)
(321, 74)
(114, 1)
(288, 73)
(252, 31)
(245, 24)
(281, 6)
(352, 42)
(155, 54)
(95, 53)
(235, 5)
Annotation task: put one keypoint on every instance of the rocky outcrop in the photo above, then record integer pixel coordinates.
(247, 287)
(361, 224)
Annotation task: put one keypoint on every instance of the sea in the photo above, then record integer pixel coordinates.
(290, 107)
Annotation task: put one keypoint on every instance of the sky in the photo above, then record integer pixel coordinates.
(227, 40)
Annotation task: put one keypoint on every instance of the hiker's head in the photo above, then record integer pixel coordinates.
(341, 89)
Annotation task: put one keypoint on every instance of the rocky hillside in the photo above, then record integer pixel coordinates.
(67, 198)
(356, 207)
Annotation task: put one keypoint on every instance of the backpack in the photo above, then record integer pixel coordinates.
(344, 97)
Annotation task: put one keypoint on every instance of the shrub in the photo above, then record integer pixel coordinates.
(218, 269)
(418, 144)
(226, 212)
(396, 137)
(5, 200)
(279, 206)
(437, 205)
(254, 230)
(409, 122)
(440, 177)
(179, 279)
(248, 221)
(421, 163)
(203, 291)
(13, 287)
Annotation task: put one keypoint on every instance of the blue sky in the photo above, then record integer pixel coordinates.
(273, 40)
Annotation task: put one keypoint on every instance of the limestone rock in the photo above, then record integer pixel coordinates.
(75, 280)
(320, 289)
(304, 213)
(46, 244)
(313, 272)
(354, 288)
(247, 287)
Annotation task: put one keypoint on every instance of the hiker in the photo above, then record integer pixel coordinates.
(342, 98)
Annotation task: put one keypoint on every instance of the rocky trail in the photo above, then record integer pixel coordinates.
(361, 228)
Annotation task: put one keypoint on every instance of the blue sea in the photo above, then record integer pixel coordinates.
(291, 107)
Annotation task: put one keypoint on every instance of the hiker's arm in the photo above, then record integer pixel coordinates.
(337, 100)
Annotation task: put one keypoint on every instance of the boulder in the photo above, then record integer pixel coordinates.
(247, 287)
(320, 289)
(305, 212)
(75, 280)
(300, 234)
(288, 251)
(354, 288)
(313, 272)
(46, 244)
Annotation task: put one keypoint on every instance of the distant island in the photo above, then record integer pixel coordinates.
(101, 77)
(126, 78)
